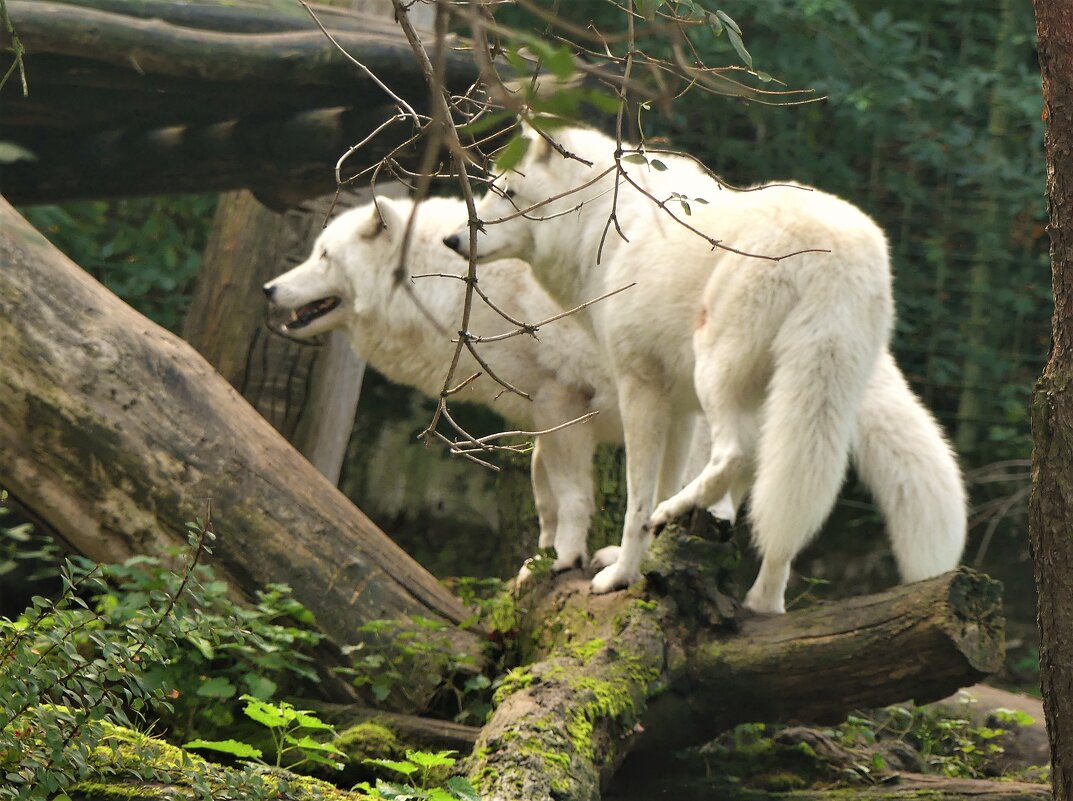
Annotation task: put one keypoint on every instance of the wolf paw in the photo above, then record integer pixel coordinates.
(605, 557)
(756, 602)
(666, 512)
(612, 578)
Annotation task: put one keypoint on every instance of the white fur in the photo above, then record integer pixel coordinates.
(403, 327)
(787, 359)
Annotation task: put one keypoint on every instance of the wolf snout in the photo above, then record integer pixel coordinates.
(269, 290)
(453, 242)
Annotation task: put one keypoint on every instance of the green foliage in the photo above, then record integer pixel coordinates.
(217, 649)
(947, 744)
(147, 250)
(66, 675)
(424, 773)
(297, 735)
(77, 682)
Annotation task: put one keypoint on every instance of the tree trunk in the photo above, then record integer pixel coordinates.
(116, 433)
(1051, 505)
(617, 672)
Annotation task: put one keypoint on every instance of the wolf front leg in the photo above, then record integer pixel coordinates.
(645, 414)
(566, 464)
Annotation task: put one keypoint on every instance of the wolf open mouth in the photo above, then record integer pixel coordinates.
(304, 315)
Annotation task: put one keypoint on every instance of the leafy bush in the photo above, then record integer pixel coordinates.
(217, 649)
(67, 675)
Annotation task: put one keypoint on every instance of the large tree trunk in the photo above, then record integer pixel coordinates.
(116, 433)
(1051, 506)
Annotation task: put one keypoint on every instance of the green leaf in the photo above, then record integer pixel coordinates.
(462, 789)
(233, 747)
(635, 158)
(560, 62)
(731, 24)
(658, 165)
(266, 714)
(259, 686)
(307, 743)
(426, 759)
(405, 768)
(604, 101)
(739, 45)
(307, 720)
(513, 153)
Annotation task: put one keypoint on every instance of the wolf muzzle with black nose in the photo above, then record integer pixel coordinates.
(453, 242)
(269, 291)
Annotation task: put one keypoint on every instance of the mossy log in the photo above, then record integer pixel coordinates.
(116, 432)
(669, 664)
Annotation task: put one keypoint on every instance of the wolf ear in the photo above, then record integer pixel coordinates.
(383, 216)
(372, 226)
(393, 218)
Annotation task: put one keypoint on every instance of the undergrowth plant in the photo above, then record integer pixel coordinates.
(424, 780)
(298, 737)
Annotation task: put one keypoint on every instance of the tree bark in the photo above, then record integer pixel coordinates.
(116, 432)
(1051, 504)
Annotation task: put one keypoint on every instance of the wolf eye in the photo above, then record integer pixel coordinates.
(509, 194)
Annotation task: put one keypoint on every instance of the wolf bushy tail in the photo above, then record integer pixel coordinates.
(904, 460)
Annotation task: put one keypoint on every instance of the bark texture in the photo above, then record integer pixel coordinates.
(1051, 505)
(116, 432)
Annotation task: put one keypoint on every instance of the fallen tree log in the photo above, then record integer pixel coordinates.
(666, 670)
(116, 432)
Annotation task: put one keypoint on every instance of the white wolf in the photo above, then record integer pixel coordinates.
(349, 282)
(787, 358)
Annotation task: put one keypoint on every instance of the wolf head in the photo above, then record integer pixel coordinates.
(350, 268)
(522, 201)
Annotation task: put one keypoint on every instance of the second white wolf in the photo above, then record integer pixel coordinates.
(787, 357)
(404, 326)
